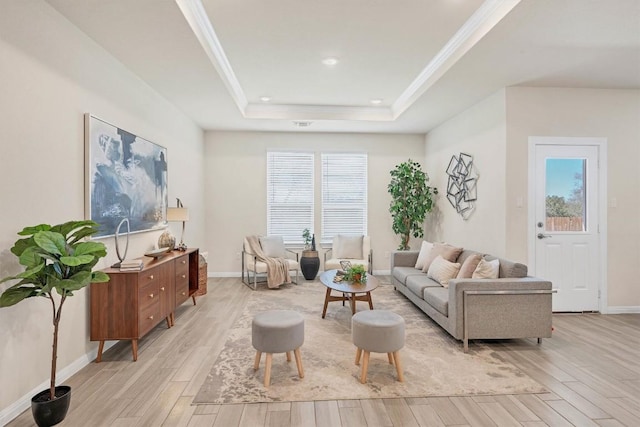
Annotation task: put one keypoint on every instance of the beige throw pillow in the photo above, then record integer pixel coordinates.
(424, 253)
(442, 270)
(487, 269)
(469, 266)
(273, 246)
(448, 252)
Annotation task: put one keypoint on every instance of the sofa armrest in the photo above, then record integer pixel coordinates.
(503, 305)
(404, 258)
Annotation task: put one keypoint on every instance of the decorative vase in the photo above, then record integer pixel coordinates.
(166, 240)
(309, 264)
(51, 412)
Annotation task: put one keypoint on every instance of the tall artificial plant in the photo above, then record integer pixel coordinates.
(411, 200)
(55, 258)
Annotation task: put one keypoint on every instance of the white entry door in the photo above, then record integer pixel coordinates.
(566, 229)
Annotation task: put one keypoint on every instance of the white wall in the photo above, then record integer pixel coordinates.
(49, 78)
(613, 114)
(235, 163)
(480, 132)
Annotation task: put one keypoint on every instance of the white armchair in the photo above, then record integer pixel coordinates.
(273, 247)
(355, 249)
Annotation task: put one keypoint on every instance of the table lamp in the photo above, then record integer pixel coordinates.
(177, 214)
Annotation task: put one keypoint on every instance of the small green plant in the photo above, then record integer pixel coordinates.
(307, 237)
(54, 258)
(411, 200)
(356, 273)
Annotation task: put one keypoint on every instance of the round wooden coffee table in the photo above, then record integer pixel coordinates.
(349, 291)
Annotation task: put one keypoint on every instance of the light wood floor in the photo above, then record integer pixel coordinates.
(591, 368)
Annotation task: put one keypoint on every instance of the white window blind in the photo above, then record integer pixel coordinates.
(289, 195)
(344, 194)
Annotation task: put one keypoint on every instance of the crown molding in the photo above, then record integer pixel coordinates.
(472, 31)
(196, 16)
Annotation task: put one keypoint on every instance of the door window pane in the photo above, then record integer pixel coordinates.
(565, 195)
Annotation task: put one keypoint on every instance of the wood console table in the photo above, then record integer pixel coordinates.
(134, 302)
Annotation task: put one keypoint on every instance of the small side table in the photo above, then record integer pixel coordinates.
(309, 264)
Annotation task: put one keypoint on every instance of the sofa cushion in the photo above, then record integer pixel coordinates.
(448, 252)
(437, 298)
(417, 284)
(468, 266)
(487, 269)
(402, 273)
(346, 247)
(273, 246)
(510, 269)
(425, 248)
(442, 270)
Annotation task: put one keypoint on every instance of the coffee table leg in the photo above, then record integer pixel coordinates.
(352, 300)
(326, 302)
(370, 300)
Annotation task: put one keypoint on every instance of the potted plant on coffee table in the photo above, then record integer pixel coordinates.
(356, 274)
(309, 261)
(57, 262)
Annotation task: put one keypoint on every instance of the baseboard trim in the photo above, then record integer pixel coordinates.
(623, 309)
(24, 403)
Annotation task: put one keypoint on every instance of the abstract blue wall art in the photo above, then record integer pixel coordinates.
(126, 177)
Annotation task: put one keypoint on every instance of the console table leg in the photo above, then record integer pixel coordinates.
(100, 348)
(134, 349)
(194, 299)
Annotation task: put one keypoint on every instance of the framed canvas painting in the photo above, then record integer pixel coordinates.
(126, 177)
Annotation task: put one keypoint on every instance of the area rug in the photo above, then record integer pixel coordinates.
(434, 364)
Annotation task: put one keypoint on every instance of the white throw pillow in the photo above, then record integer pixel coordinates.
(442, 270)
(273, 246)
(347, 247)
(424, 253)
(487, 269)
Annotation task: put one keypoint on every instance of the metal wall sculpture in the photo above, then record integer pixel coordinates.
(461, 186)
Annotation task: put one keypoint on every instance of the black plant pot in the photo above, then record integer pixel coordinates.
(51, 412)
(309, 264)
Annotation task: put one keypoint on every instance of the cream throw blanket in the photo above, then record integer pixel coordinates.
(277, 268)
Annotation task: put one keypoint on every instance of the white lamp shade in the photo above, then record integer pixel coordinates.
(177, 214)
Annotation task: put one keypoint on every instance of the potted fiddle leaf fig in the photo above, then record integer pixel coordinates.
(411, 200)
(57, 262)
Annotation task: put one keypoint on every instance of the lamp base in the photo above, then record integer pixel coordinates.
(181, 247)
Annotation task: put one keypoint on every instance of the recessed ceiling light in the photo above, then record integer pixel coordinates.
(376, 101)
(330, 61)
(302, 124)
(265, 98)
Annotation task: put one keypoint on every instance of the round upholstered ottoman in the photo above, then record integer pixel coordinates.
(277, 331)
(378, 331)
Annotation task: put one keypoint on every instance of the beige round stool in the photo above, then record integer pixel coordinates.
(378, 331)
(277, 331)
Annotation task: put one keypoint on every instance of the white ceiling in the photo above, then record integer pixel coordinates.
(426, 59)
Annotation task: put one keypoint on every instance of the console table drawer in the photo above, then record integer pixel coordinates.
(182, 292)
(148, 317)
(148, 294)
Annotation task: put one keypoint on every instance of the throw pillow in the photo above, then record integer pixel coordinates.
(347, 247)
(448, 252)
(469, 266)
(424, 253)
(442, 270)
(273, 246)
(487, 269)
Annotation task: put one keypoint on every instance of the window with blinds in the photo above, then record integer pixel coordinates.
(289, 194)
(344, 194)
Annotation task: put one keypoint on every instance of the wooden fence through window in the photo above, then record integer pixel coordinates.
(564, 223)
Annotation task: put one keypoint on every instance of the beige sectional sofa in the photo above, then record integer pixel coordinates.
(512, 306)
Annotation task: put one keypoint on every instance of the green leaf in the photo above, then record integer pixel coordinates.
(29, 231)
(27, 274)
(99, 277)
(91, 248)
(73, 283)
(69, 226)
(21, 245)
(13, 296)
(74, 261)
(81, 234)
(31, 257)
(51, 242)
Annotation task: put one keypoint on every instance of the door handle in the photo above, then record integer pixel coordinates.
(544, 236)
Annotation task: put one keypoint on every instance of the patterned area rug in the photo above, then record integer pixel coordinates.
(434, 364)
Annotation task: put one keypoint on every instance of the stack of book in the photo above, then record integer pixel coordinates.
(131, 265)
